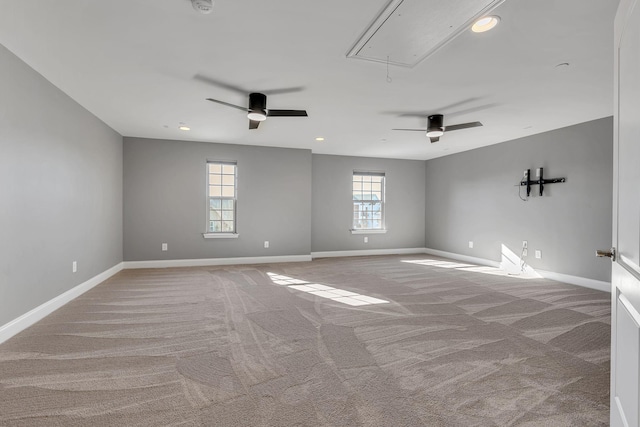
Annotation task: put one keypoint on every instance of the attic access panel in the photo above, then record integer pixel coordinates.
(408, 31)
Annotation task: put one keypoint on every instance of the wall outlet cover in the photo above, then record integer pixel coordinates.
(470, 244)
(366, 239)
(165, 247)
(266, 244)
(538, 254)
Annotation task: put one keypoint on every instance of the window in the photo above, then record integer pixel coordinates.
(368, 201)
(221, 194)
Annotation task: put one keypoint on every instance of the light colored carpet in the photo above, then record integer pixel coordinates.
(453, 345)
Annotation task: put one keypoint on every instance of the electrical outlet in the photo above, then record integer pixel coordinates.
(525, 244)
(538, 173)
(165, 247)
(74, 267)
(266, 244)
(470, 244)
(538, 254)
(366, 239)
(525, 252)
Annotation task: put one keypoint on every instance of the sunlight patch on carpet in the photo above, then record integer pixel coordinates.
(324, 291)
(517, 270)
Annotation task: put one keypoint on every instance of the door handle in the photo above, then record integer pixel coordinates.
(609, 253)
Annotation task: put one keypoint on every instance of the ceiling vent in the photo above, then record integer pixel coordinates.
(203, 6)
(408, 31)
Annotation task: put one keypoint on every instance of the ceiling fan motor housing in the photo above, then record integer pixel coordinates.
(436, 122)
(435, 125)
(258, 103)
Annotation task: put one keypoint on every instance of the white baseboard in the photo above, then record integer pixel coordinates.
(215, 261)
(565, 278)
(23, 322)
(366, 252)
(576, 280)
(465, 258)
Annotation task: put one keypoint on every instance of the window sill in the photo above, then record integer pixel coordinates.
(220, 235)
(368, 231)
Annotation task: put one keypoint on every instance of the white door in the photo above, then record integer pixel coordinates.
(625, 275)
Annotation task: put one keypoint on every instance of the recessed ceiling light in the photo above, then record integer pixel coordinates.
(485, 24)
(184, 128)
(319, 138)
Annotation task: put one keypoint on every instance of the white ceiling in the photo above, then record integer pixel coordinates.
(133, 64)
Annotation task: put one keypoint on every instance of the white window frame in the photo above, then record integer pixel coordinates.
(208, 234)
(382, 201)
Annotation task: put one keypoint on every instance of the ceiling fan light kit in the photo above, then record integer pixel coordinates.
(258, 116)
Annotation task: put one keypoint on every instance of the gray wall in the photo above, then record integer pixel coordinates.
(471, 196)
(333, 208)
(62, 197)
(61, 192)
(165, 200)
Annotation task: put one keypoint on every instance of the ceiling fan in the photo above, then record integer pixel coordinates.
(257, 111)
(436, 128)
